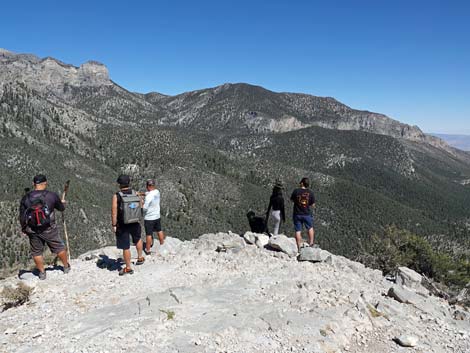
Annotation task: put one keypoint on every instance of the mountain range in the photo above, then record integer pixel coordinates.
(461, 142)
(215, 154)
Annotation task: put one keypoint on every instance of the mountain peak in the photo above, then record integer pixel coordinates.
(49, 75)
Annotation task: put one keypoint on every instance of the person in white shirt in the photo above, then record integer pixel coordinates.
(151, 210)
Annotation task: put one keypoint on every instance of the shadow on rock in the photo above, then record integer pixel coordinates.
(105, 262)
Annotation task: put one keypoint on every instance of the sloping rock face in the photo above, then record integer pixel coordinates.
(194, 299)
(50, 74)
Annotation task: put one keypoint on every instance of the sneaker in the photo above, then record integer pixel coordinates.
(42, 275)
(67, 269)
(140, 261)
(126, 271)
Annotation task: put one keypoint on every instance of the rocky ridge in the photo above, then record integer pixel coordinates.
(235, 107)
(49, 75)
(220, 293)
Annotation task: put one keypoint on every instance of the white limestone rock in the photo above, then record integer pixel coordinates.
(262, 240)
(250, 237)
(407, 340)
(284, 244)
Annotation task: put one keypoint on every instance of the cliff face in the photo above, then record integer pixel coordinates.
(49, 75)
(187, 297)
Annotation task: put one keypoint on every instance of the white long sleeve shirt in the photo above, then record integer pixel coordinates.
(152, 205)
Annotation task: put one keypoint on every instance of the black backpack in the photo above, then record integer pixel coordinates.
(38, 215)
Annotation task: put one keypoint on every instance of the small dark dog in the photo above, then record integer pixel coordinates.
(257, 223)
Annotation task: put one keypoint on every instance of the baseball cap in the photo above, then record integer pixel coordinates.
(39, 179)
(150, 182)
(123, 179)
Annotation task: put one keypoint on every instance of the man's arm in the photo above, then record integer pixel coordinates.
(292, 197)
(22, 212)
(312, 200)
(269, 207)
(59, 204)
(114, 212)
(148, 200)
(283, 211)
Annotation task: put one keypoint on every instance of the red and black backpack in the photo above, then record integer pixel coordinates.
(37, 215)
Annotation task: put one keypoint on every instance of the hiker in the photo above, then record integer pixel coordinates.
(37, 219)
(276, 202)
(152, 222)
(303, 200)
(125, 216)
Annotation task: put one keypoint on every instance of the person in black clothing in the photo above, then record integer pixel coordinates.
(276, 203)
(37, 220)
(303, 199)
(124, 231)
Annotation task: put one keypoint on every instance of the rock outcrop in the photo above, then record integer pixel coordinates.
(50, 75)
(195, 299)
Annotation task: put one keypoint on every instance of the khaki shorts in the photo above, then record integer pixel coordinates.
(50, 236)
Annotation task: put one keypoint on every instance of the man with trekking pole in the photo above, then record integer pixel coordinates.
(38, 222)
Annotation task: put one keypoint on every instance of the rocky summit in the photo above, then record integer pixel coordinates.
(220, 293)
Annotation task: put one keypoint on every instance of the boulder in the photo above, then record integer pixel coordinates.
(250, 237)
(233, 243)
(310, 254)
(406, 340)
(284, 244)
(262, 241)
(409, 278)
(315, 255)
(402, 295)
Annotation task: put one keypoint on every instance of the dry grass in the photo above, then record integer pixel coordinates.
(15, 296)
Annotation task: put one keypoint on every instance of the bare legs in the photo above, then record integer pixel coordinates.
(149, 240)
(311, 238)
(126, 254)
(161, 237)
(139, 247)
(298, 239)
(39, 260)
(148, 243)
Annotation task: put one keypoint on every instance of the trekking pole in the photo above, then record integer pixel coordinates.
(66, 188)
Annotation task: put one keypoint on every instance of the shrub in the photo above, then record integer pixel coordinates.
(15, 296)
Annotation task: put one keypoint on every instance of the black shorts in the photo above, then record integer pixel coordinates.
(124, 231)
(152, 226)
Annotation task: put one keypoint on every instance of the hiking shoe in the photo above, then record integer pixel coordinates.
(147, 252)
(42, 275)
(67, 269)
(140, 261)
(126, 271)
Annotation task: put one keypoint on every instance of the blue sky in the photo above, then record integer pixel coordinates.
(407, 59)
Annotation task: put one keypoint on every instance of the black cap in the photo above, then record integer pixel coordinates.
(150, 182)
(123, 179)
(39, 179)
